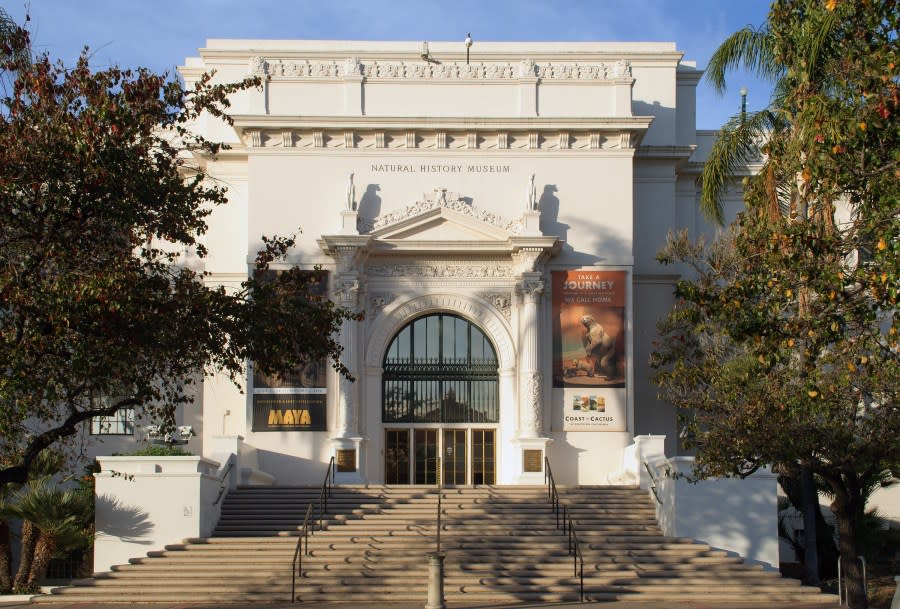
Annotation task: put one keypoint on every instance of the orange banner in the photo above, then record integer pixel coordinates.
(589, 328)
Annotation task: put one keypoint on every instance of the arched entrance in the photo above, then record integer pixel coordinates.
(440, 402)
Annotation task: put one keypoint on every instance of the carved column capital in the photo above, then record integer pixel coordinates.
(530, 288)
(346, 289)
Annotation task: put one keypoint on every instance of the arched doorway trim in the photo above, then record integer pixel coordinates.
(475, 309)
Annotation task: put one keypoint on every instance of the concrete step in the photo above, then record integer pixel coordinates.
(502, 544)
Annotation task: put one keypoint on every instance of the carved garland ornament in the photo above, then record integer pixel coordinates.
(501, 301)
(468, 271)
(440, 198)
(527, 68)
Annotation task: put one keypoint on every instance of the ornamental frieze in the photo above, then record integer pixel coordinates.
(422, 70)
(440, 198)
(418, 270)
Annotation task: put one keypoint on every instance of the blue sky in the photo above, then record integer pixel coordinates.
(159, 34)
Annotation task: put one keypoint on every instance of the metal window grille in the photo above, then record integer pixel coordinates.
(440, 369)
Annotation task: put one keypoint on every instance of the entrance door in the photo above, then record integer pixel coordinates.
(396, 456)
(454, 456)
(426, 446)
(483, 456)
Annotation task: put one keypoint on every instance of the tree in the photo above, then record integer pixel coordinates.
(50, 516)
(782, 348)
(103, 190)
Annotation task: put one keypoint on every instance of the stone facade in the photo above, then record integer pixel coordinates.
(462, 189)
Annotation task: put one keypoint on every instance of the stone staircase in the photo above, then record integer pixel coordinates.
(502, 545)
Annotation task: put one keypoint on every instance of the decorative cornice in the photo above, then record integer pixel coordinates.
(448, 123)
(448, 70)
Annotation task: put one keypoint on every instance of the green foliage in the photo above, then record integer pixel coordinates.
(103, 190)
(159, 450)
(782, 348)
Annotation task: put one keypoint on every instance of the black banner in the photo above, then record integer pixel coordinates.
(289, 412)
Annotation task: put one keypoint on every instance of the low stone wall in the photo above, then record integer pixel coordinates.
(145, 503)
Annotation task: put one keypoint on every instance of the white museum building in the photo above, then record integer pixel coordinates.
(497, 221)
(496, 217)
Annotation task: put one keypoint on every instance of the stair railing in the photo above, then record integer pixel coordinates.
(325, 493)
(653, 482)
(552, 494)
(308, 528)
(568, 526)
(301, 549)
(223, 485)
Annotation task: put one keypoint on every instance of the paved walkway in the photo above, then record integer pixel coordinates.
(674, 603)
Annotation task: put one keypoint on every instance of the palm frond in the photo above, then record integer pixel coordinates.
(737, 145)
(749, 48)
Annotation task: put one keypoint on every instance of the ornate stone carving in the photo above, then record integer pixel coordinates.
(440, 198)
(530, 289)
(352, 66)
(501, 301)
(531, 400)
(346, 290)
(258, 66)
(526, 68)
(621, 69)
(350, 199)
(379, 301)
(440, 270)
(347, 409)
(531, 200)
(254, 137)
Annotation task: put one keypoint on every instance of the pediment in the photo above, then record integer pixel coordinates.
(441, 216)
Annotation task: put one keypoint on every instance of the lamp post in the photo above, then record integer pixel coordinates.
(468, 43)
(743, 103)
(436, 558)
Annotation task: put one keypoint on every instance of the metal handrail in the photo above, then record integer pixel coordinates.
(325, 493)
(568, 526)
(438, 467)
(223, 486)
(652, 483)
(297, 565)
(308, 529)
(577, 556)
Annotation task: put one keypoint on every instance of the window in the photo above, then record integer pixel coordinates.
(440, 368)
(119, 424)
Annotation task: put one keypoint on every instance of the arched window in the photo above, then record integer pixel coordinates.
(442, 369)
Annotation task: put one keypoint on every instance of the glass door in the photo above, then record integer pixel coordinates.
(483, 456)
(426, 447)
(396, 456)
(454, 456)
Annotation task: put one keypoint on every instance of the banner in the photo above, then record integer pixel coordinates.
(289, 412)
(589, 350)
(294, 400)
(589, 329)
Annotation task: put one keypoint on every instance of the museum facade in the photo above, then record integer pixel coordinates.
(495, 218)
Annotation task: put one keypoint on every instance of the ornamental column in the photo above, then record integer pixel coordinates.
(531, 411)
(531, 440)
(346, 438)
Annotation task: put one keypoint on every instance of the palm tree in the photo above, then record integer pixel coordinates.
(818, 56)
(745, 136)
(5, 546)
(55, 518)
(774, 137)
(9, 30)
